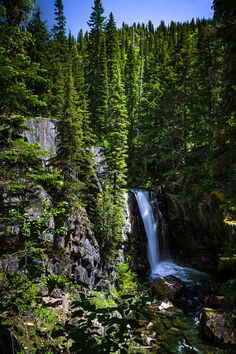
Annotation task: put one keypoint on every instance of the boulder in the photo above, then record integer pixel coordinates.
(169, 287)
(219, 326)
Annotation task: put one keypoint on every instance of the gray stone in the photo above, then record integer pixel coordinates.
(51, 302)
(81, 275)
(219, 326)
(43, 132)
(99, 162)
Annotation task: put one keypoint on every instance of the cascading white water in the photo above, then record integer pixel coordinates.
(150, 228)
(158, 257)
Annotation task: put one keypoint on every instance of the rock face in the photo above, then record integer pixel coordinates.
(99, 162)
(198, 233)
(43, 131)
(136, 245)
(219, 326)
(75, 255)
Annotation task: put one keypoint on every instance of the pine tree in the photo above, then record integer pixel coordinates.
(18, 159)
(70, 155)
(116, 150)
(17, 11)
(59, 29)
(58, 61)
(132, 94)
(38, 50)
(97, 71)
(112, 48)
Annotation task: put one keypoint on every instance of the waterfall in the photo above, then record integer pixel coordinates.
(158, 255)
(150, 226)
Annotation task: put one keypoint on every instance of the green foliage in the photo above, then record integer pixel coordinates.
(101, 300)
(110, 220)
(102, 330)
(96, 75)
(228, 259)
(126, 281)
(15, 12)
(21, 293)
(37, 232)
(59, 28)
(58, 280)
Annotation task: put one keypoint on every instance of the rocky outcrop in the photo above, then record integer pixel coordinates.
(219, 326)
(136, 245)
(43, 132)
(76, 254)
(169, 287)
(198, 233)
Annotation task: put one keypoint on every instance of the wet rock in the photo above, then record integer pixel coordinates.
(219, 326)
(136, 235)
(165, 305)
(150, 326)
(169, 287)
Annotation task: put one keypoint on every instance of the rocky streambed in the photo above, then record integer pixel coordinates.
(189, 318)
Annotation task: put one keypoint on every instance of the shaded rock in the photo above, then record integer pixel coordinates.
(81, 275)
(66, 303)
(219, 301)
(99, 162)
(169, 287)
(219, 326)
(56, 293)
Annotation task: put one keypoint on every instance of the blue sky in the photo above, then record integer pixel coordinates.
(77, 12)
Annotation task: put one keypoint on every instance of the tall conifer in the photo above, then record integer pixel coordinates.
(97, 71)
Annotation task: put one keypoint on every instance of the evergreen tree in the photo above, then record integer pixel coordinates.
(116, 149)
(112, 48)
(225, 14)
(59, 29)
(58, 61)
(70, 156)
(132, 95)
(97, 71)
(18, 159)
(38, 50)
(17, 11)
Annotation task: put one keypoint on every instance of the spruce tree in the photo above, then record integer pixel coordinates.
(116, 149)
(132, 98)
(58, 61)
(70, 155)
(97, 71)
(18, 159)
(59, 29)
